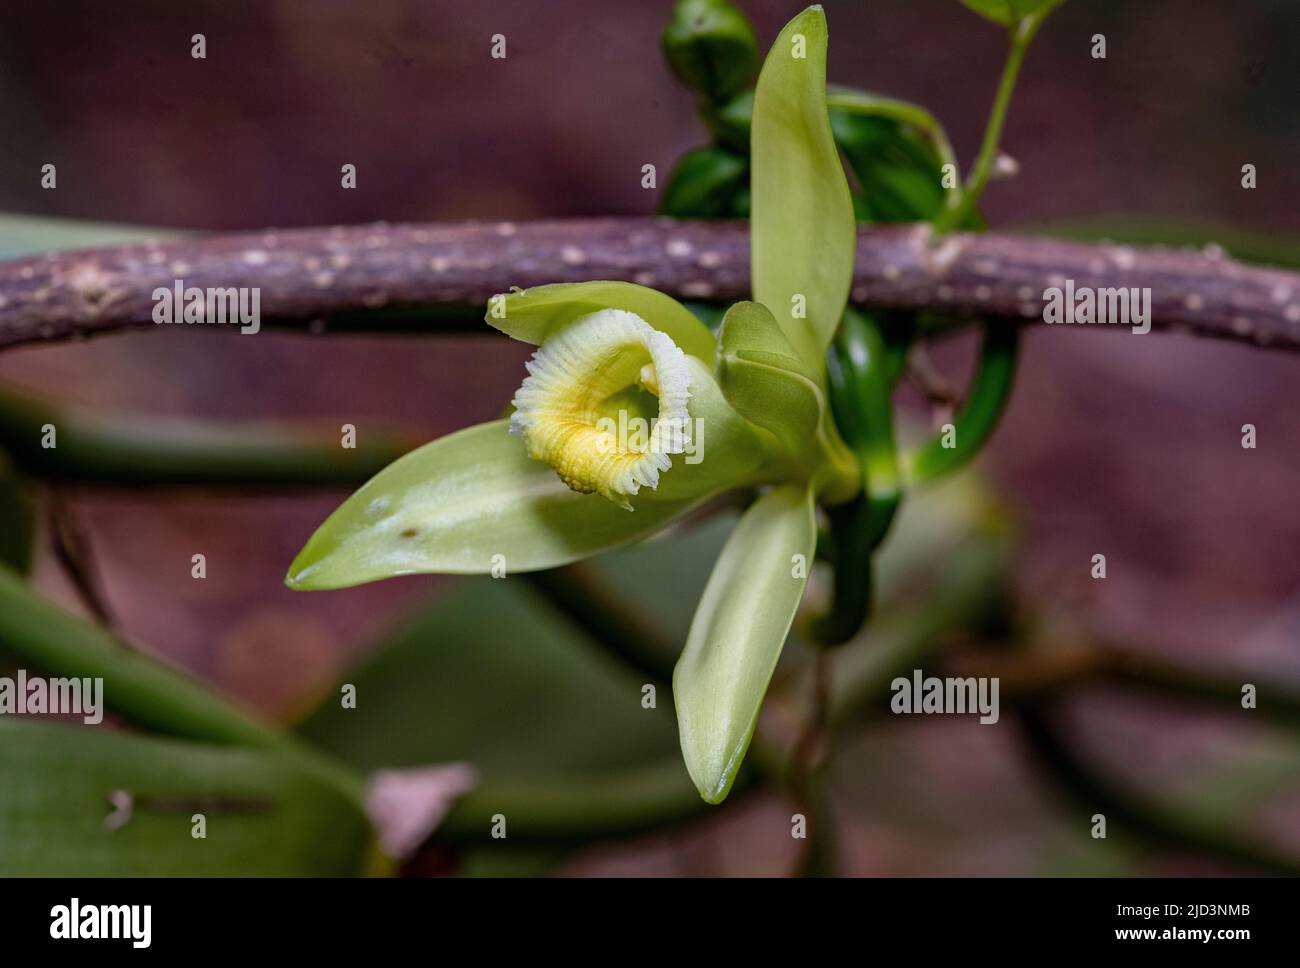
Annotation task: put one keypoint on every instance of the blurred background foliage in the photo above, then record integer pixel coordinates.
(1126, 447)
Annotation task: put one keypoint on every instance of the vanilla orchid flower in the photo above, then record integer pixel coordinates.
(566, 476)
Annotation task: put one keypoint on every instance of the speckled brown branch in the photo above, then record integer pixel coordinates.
(428, 276)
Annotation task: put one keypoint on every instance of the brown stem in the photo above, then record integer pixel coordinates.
(381, 278)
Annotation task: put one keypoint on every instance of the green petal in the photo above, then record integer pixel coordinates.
(454, 504)
(749, 331)
(802, 214)
(533, 314)
(764, 381)
(737, 634)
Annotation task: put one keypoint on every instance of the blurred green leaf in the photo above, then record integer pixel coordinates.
(711, 47)
(17, 519)
(1008, 12)
(491, 675)
(141, 690)
(262, 816)
(802, 227)
(898, 169)
(732, 123)
(897, 165)
(471, 677)
(22, 235)
(704, 184)
(107, 448)
(1247, 245)
(897, 152)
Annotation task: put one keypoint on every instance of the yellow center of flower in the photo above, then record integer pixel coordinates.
(604, 404)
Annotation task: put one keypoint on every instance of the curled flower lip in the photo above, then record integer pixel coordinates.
(597, 367)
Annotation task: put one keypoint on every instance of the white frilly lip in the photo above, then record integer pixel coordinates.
(573, 373)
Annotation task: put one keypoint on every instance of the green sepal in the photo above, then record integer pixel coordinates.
(803, 234)
(469, 503)
(765, 381)
(533, 315)
(750, 332)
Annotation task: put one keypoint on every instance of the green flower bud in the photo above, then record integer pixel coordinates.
(711, 48)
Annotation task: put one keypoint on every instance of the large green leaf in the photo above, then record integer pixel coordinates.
(262, 816)
(471, 677)
(141, 689)
(737, 634)
(532, 315)
(107, 448)
(801, 212)
(455, 505)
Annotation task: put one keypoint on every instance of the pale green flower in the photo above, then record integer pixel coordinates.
(633, 413)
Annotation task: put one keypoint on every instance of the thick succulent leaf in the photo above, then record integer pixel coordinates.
(533, 314)
(801, 211)
(737, 633)
(1008, 12)
(263, 817)
(454, 504)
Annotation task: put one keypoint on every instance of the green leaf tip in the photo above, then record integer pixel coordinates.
(803, 232)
